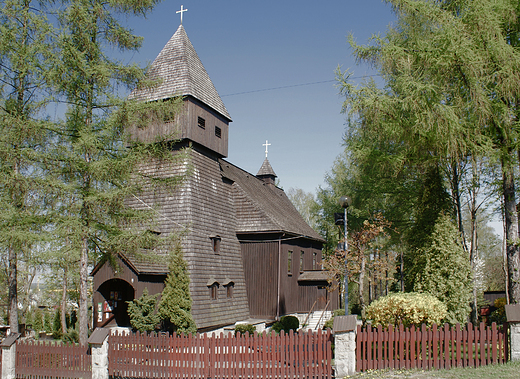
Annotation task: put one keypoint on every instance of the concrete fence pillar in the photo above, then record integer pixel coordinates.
(98, 342)
(344, 329)
(8, 346)
(513, 319)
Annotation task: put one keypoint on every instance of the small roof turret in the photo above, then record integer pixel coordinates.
(266, 173)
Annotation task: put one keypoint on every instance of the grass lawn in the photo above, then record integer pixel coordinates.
(509, 370)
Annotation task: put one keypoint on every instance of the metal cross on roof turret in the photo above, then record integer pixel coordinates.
(181, 12)
(266, 144)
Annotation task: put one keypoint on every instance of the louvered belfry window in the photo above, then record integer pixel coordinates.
(218, 132)
(201, 122)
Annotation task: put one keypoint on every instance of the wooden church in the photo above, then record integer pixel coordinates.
(249, 252)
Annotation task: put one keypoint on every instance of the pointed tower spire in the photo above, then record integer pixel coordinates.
(181, 73)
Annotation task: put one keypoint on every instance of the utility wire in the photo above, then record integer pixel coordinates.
(291, 86)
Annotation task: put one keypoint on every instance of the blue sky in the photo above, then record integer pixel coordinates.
(250, 47)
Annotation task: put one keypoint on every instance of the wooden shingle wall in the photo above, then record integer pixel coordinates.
(204, 205)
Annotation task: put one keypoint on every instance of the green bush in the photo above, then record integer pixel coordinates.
(499, 314)
(243, 328)
(71, 337)
(286, 323)
(142, 312)
(406, 308)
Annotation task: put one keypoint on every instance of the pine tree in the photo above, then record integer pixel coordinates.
(175, 304)
(444, 271)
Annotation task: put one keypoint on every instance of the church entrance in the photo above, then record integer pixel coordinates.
(113, 309)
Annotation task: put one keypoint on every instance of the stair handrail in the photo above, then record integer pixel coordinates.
(322, 313)
(309, 314)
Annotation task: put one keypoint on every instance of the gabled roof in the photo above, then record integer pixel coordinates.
(181, 73)
(263, 208)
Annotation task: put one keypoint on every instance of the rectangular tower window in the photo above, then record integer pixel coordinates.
(314, 260)
(218, 132)
(215, 243)
(289, 262)
(201, 122)
(302, 254)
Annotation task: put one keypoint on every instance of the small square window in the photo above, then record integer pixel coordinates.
(218, 132)
(201, 122)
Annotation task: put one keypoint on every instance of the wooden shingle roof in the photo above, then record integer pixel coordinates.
(266, 169)
(263, 208)
(181, 73)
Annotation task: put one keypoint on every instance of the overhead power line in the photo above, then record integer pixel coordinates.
(289, 86)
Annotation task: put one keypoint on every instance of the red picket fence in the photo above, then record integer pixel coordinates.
(49, 360)
(428, 348)
(290, 355)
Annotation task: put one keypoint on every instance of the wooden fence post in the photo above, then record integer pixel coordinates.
(345, 345)
(8, 346)
(99, 343)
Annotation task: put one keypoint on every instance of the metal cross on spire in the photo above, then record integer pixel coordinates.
(266, 144)
(181, 12)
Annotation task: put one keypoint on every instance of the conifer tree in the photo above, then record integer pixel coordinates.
(175, 303)
(25, 52)
(452, 73)
(444, 271)
(97, 162)
(142, 312)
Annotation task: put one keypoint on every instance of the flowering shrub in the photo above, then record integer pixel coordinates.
(409, 309)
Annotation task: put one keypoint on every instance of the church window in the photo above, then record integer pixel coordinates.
(229, 290)
(201, 122)
(213, 291)
(218, 132)
(302, 255)
(289, 262)
(314, 260)
(215, 243)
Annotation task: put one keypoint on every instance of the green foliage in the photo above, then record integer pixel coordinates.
(175, 304)
(499, 314)
(142, 312)
(47, 321)
(245, 328)
(444, 271)
(286, 323)
(408, 308)
(37, 320)
(71, 336)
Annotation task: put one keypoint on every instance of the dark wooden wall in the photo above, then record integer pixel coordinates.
(185, 126)
(260, 261)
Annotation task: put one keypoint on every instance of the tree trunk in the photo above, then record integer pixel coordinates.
(361, 288)
(64, 302)
(512, 248)
(13, 290)
(83, 305)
